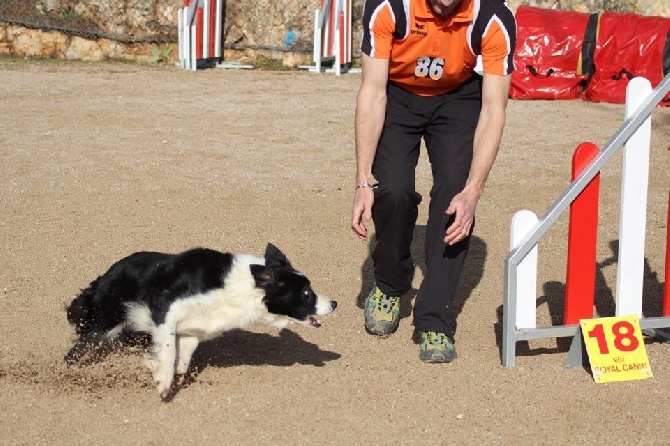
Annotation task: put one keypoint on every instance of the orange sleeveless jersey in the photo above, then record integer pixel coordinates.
(430, 56)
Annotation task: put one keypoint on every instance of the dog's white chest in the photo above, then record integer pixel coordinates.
(207, 316)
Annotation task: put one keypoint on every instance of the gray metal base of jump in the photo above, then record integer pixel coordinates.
(577, 356)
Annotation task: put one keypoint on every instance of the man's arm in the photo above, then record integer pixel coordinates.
(369, 121)
(489, 131)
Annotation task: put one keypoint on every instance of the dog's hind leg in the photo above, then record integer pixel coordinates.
(186, 345)
(77, 352)
(165, 355)
(94, 343)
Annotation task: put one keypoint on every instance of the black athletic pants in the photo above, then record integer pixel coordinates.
(447, 125)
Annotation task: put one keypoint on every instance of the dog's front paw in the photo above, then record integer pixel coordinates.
(163, 381)
(163, 389)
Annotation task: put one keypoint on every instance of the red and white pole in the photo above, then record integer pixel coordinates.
(198, 33)
(580, 283)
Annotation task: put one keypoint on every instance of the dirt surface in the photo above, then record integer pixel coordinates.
(100, 160)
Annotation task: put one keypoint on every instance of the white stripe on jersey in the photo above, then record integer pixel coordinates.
(372, 21)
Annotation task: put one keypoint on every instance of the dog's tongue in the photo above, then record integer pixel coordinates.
(314, 323)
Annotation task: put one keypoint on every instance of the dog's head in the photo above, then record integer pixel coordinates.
(287, 291)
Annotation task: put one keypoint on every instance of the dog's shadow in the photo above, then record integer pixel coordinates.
(232, 348)
(240, 347)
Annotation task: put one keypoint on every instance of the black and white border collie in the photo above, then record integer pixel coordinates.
(183, 299)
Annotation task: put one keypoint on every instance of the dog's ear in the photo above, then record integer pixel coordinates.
(263, 276)
(274, 257)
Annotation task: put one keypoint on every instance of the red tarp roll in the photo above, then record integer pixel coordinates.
(628, 46)
(548, 59)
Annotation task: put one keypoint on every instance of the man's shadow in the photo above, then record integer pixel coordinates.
(473, 270)
(652, 288)
(604, 302)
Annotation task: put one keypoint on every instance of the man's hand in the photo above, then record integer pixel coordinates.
(495, 92)
(462, 207)
(362, 210)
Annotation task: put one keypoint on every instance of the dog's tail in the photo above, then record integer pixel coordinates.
(79, 312)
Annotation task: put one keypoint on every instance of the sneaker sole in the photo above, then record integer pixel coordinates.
(379, 329)
(436, 358)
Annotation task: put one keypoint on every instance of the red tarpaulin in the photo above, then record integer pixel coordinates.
(628, 46)
(566, 54)
(548, 59)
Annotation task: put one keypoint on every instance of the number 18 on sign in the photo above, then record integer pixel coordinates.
(615, 348)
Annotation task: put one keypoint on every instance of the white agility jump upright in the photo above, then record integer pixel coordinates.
(526, 315)
(199, 30)
(332, 36)
(519, 301)
(633, 214)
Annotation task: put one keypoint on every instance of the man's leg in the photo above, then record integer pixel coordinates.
(449, 140)
(394, 211)
(396, 201)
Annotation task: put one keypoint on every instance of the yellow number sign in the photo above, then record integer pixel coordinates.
(615, 348)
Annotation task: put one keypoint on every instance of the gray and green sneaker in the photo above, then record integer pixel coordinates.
(382, 312)
(436, 347)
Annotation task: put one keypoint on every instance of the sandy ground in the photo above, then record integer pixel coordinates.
(100, 160)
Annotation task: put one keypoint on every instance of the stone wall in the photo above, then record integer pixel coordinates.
(21, 41)
(142, 29)
(86, 30)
